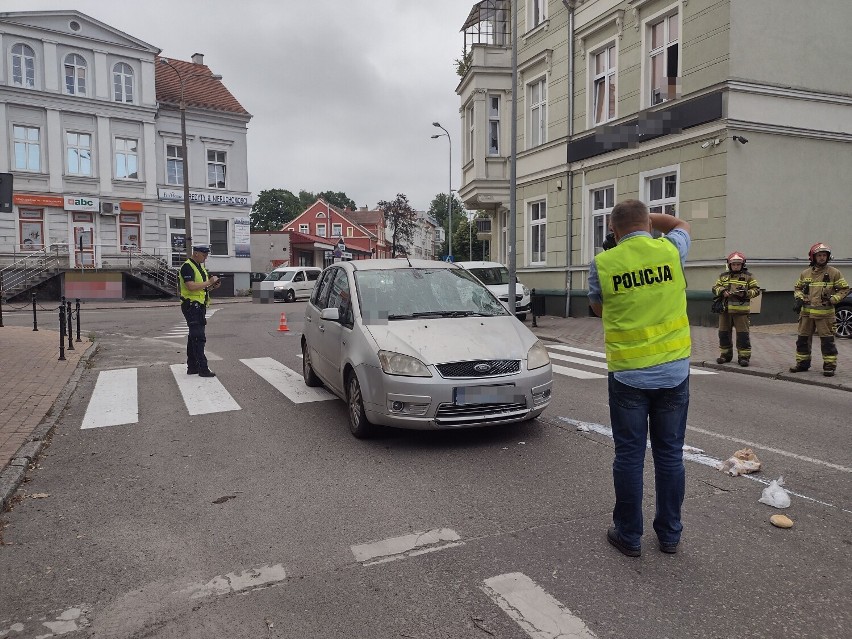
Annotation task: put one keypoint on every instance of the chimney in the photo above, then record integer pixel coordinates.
(197, 58)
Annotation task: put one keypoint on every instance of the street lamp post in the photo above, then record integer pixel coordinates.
(449, 188)
(184, 157)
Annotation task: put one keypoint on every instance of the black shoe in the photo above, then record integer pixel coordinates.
(207, 373)
(613, 538)
(721, 360)
(192, 371)
(828, 372)
(742, 361)
(798, 368)
(669, 549)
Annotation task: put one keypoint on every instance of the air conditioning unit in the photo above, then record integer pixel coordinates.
(109, 208)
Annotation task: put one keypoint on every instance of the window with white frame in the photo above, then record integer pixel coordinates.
(23, 66)
(75, 74)
(78, 151)
(27, 148)
(122, 83)
(471, 131)
(349, 231)
(493, 125)
(336, 229)
(603, 84)
(536, 13)
(219, 237)
(663, 58)
(662, 193)
(304, 228)
(321, 229)
(537, 112)
(126, 159)
(216, 166)
(174, 164)
(602, 201)
(538, 232)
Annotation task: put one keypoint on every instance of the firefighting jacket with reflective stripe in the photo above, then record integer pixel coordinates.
(201, 296)
(643, 289)
(820, 288)
(742, 287)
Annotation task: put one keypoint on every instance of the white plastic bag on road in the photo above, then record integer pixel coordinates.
(774, 495)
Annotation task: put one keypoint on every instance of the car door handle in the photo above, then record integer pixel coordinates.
(322, 328)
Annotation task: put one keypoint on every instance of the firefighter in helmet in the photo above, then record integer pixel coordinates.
(819, 288)
(736, 287)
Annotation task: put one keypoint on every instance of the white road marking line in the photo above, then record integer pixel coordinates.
(574, 372)
(286, 381)
(697, 455)
(250, 579)
(572, 349)
(202, 395)
(777, 451)
(582, 351)
(418, 543)
(114, 401)
(577, 360)
(533, 609)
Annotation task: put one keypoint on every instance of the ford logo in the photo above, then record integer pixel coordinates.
(482, 368)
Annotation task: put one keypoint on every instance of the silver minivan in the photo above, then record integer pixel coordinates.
(420, 344)
(290, 283)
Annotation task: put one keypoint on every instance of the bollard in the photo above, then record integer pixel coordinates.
(35, 317)
(78, 320)
(62, 332)
(532, 307)
(70, 327)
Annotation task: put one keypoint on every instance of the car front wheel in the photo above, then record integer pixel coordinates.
(308, 373)
(843, 325)
(290, 295)
(359, 425)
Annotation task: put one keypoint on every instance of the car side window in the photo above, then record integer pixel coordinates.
(339, 297)
(313, 275)
(300, 277)
(320, 294)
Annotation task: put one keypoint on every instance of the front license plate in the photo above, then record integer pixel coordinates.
(503, 394)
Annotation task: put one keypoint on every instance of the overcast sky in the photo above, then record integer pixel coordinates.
(343, 92)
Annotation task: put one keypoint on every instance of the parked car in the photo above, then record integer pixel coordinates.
(843, 317)
(495, 276)
(423, 345)
(289, 283)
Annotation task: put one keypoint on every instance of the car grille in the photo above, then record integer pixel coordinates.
(505, 298)
(496, 368)
(452, 415)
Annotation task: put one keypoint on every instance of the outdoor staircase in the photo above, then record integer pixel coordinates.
(29, 271)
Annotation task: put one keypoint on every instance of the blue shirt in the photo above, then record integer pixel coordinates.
(666, 375)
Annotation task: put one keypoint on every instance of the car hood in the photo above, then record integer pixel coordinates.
(454, 339)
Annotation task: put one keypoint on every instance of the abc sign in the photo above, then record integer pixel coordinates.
(82, 204)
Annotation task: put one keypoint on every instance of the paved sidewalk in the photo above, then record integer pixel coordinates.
(34, 385)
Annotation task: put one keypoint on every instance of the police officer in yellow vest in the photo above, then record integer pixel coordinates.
(639, 289)
(195, 286)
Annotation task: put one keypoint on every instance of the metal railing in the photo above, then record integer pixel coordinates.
(31, 269)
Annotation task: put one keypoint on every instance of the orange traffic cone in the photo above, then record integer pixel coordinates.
(282, 325)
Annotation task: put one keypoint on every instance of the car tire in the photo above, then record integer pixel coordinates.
(308, 373)
(843, 321)
(522, 317)
(359, 425)
(290, 295)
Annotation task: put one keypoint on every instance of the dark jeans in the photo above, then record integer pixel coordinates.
(196, 320)
(635, 413)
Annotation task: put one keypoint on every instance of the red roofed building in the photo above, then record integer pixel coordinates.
(362, 231)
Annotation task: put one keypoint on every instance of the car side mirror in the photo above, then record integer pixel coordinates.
(330, 314)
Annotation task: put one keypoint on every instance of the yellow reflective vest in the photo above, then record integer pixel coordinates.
(201, 296)
(742, 286)
(644, 304)
(820, 288)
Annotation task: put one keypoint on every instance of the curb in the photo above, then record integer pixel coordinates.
(13, 474)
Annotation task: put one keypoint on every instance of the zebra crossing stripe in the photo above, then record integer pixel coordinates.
(286, 381)
(584, 362)
(533, 609)
(577, 360)
(572, 349)
(202, 395)
(115, 400)
(576, 372)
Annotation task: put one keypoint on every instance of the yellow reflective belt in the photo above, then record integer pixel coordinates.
(646, 350)
(647, 332)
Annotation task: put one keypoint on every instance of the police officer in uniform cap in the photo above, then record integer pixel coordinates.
(195, 286)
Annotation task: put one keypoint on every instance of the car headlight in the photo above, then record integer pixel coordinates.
(399, 364)
(537, 356)
(526, 290)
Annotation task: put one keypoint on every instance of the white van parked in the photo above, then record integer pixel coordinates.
(290, 283)
(495, 276)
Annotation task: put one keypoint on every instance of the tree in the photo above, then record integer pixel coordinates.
(273, 209)
(334, 198)
(438, 210)
(401, 220)
(464, 236)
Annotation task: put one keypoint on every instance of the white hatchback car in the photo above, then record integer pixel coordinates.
(289, 283)
(495, 276)
(420, 344)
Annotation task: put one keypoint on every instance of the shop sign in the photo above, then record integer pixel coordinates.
(82, 203)
(22, 199)
(199, 197)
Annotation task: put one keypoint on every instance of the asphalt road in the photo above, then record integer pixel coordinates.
(265, 521)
